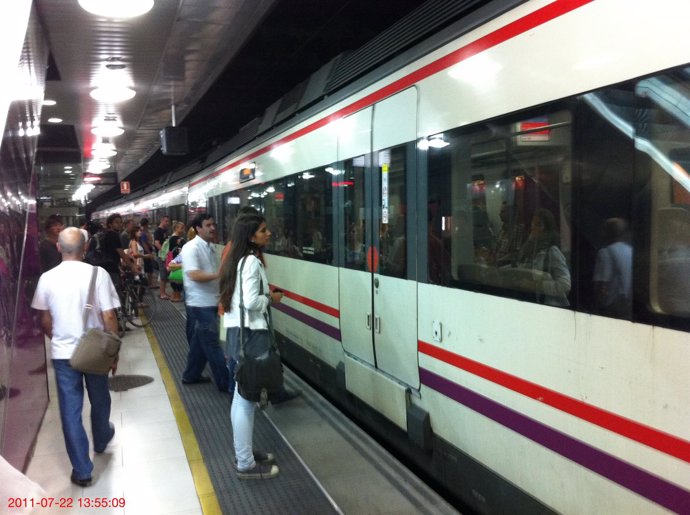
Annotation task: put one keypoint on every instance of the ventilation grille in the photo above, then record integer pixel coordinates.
(420, 23)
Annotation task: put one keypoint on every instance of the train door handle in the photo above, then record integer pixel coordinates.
(377, 324)
(369, 321)
(376, 282)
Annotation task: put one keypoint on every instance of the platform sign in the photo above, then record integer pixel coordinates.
(534, 130)
(125, 187)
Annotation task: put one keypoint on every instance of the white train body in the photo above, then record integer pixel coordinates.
(581, 412)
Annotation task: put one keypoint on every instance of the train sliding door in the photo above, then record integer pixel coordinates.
(378, 292)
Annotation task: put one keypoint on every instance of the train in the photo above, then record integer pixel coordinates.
(484, 245)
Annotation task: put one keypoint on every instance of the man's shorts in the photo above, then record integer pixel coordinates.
(162, 270)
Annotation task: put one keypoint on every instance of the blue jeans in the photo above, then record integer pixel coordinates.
(70, 387)
(204, 346)
(242, 418)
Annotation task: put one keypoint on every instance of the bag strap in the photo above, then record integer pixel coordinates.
(88, 307)
(244, 260)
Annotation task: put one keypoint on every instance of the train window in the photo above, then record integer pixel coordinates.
(662, 140)
(354, 212)
(391, 165)
(499, 206)
(227, 214)
(299, 213)
(602, 222)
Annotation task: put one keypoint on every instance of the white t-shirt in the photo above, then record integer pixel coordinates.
(198, 254)
(614, 266)
(63, 291)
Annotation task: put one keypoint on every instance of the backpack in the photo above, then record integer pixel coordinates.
(165, 248)
(95, 255)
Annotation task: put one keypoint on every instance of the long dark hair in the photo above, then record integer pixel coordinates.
(549, 233)
(242, 245)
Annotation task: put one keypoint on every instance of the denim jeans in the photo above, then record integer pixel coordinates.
(70, 387)
(204, 346)
(242, 418)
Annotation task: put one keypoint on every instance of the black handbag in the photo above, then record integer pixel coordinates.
(97, 350)
(259, 371)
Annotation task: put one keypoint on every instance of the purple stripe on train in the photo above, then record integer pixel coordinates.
(654, 488)
(323, 327)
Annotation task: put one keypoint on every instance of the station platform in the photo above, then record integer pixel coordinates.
(172, 452)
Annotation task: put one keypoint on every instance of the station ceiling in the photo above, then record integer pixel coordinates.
(220, 62)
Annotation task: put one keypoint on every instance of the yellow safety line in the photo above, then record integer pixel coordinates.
(202, 480)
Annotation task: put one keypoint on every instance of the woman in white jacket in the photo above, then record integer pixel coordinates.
(249, 236)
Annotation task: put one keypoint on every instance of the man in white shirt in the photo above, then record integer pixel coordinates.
(613, 270)
(200, 263)
(61, 295)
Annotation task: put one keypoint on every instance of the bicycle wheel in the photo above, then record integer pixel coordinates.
(140, 306)
(121, 322)
(129, 304)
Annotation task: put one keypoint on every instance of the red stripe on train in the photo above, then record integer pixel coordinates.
(641, 433)
(309, 302)
(528, 22)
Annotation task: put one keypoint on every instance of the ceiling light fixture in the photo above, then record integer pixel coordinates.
(49, 102)
(107, 130)
(54, 120)
(117, 8)
(103, 151)
(98, 165)
(112, 93)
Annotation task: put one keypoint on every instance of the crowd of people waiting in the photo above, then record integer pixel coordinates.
(210, 286)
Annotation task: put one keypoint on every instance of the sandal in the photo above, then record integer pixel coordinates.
(164, 297)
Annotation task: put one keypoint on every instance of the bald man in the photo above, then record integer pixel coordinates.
(61, 295)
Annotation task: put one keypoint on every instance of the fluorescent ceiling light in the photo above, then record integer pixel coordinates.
(103, 151)
(97, 165)
(107, 131)
(438, 142)
(48, 102)
(112, 94)
(117, 8)
(54, 120)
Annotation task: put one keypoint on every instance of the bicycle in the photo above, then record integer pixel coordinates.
(138, 306)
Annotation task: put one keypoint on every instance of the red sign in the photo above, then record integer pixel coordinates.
(124, 187)
(531, 127)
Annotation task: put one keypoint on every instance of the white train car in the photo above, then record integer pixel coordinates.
(486, 253)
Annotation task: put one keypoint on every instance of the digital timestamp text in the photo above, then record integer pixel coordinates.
(64, 502)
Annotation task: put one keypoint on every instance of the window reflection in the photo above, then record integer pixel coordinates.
(393, 212)
(298, 210)
(354, 212)
(499, 198)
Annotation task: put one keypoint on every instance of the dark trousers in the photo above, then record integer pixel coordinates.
(204, 346)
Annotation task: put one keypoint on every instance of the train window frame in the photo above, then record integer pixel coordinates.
(473, 268)
(665, 208)
(639, 194)
(287, 191)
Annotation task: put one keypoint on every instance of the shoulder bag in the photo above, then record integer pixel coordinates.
(97, 349)
(259, 372)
